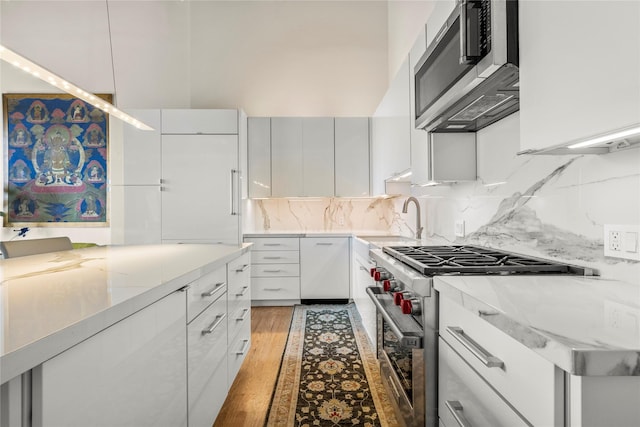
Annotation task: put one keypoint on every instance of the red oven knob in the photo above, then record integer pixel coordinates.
(405, 306)
(397, 298)
(410, 306)
(373, 270)
(380, 275)
(390, 285)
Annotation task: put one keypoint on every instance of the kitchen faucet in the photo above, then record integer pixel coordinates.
(404, 210)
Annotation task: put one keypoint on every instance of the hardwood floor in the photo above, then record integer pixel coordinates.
(249, 397)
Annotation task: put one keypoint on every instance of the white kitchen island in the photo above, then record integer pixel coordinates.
(116, 306)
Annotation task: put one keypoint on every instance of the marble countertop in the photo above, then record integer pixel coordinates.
(50, 302)
(587, 326)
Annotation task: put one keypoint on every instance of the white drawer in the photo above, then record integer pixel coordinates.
(238, 350)
(275, 257)
(205, 406)
(464, 396)
(277, 288)
(239, 316)
(530, 383)
(274, 243)
(204, 291)
(207, 345)
(239, 282)
(275, 270)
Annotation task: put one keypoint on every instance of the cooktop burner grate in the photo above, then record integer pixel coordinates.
(432, 260)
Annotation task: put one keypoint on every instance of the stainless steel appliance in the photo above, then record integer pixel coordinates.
(468, 77)
(407, 315)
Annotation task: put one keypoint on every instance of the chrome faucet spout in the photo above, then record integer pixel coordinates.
(404, 210)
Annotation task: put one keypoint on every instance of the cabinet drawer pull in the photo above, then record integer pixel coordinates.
(243, 350)
(273, 244)
(217, 288)
(272, 289)
(324, 244)
(245, 312)
(244, 291)
(214, 325)
(272, 257)
(455, 408)
(272, 271)
(483, 355)
(243, 268)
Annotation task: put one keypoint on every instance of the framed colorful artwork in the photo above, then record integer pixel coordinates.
(56, 163)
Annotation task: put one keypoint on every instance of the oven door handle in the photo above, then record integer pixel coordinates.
(407, 340)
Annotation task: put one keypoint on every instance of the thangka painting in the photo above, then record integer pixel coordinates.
(57, 152)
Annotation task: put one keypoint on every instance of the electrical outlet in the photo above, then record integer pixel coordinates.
(622, 317)
(459, 228)
(621, 241)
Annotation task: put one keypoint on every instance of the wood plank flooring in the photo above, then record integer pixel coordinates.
(248, 400)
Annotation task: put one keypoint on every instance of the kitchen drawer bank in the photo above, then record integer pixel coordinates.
(116, 316)
(549, 346)
(290, 268)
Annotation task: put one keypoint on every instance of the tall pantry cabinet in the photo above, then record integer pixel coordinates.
(194, 186)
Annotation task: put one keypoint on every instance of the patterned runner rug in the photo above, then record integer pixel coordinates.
(329, 374)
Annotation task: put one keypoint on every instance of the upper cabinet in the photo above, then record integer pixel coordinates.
(579, 70)
(352, 156)
(390, 137)
(308, 156)
(204, 121)
(441, 11)
(259, 153)
(419, 138)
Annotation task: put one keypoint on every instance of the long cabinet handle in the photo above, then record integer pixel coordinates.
(245, 312)
(243, 268)
(456, 410)
(243, 350)
(272, 289)
(272, 271)
(234, 173)
(244, 291)
(211, 292)
(272, 257)
(273, 244)
(212, 327)
(480, 353)
(324, 244)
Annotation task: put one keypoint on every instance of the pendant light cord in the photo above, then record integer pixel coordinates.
(113, 67)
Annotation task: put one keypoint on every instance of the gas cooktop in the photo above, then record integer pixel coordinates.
(434, 260)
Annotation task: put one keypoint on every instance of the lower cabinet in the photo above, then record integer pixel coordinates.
(239, 309)
(130, 374)
(324, 268)
(207, 363)
(501, 381)
(361, 279)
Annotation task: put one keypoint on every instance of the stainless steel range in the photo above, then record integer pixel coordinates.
(407, 315)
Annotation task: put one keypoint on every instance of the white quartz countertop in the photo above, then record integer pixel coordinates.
(585, 325)
(53, 301)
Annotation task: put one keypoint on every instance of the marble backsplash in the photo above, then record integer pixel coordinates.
(553, 207)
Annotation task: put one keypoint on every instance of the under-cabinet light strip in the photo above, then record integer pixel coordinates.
(608, 137)
(54, 80)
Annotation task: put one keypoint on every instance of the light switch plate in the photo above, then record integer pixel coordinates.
(622, 241)
(459, 228)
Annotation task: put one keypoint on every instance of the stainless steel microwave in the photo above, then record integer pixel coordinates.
(468, 78)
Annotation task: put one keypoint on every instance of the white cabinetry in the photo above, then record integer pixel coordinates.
(207, 358)
(390, 131)
(474, 353)
(580, 80)
(324, 268)
(275, 270)
(184, 184)
(302, 156)
(352, 156)
(131, 374)
(419, 138)
(361, 279)
(200, 197)
(239, 309)
(259, 148)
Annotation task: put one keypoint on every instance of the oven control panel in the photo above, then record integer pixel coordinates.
(408, 302)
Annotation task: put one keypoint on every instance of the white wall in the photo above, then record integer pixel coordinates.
(268, 57)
